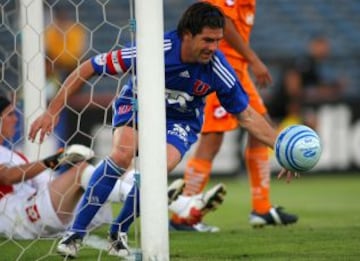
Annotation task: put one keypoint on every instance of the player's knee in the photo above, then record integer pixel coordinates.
(122, 158)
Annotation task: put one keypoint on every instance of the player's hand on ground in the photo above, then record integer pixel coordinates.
(288, 175)
(71, 155)
(43, 125)
(262, 74)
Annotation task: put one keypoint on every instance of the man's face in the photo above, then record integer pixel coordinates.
(8, 123)
(201, 47)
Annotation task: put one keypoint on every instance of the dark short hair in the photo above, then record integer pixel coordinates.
(198, 16)
(4, 102)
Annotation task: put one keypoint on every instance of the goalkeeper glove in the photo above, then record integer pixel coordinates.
(71, 155)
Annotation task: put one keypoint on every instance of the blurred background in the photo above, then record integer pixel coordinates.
(311, 46)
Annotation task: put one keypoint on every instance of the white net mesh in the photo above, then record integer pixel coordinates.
(74, 31)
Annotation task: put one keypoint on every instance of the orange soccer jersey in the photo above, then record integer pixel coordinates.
(242, 14)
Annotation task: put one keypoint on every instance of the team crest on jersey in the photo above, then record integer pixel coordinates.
(32, 213)
(200, 88)
(230, 2)
(220, 112)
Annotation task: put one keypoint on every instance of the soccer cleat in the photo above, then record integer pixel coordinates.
(202, 227)
(175, 189)
(276, 216)
(118, 245)
(69, 245)
(198, 227)
(200, 206)
(190, 218)
(213, 198)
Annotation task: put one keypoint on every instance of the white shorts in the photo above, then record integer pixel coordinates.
(30, 216)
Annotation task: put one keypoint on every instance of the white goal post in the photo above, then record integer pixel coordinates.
(33, 77)
(152, 144)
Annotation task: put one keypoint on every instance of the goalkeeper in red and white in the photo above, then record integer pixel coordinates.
(33, 201)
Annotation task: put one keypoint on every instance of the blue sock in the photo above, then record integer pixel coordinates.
(100, 185)
(126, 216)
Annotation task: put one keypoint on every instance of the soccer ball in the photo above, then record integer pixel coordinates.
(298, 148)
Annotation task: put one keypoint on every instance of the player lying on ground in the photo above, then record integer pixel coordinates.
(193, 69)
(34, 202)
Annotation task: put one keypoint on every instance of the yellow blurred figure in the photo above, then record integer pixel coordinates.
(65, 42)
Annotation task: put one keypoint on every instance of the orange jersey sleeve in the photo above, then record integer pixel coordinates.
(242, 13)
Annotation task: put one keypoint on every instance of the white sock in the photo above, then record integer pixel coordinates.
(183, 204)
(180, 204)
(129, 176)
(120, 191)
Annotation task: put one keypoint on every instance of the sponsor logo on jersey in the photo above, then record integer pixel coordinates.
(180, 131)
(178, 98)
(124, 109)
(185, 74)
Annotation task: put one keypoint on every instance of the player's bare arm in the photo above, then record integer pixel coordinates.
(16, 174)
(73, 83)
(73, 154)
(233, 37)
(255, 124)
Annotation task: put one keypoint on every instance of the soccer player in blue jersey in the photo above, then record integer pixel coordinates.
(194, 68)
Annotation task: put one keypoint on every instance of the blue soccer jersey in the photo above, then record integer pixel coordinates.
(187, 85)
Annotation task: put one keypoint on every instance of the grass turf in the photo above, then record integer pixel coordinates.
(328, 228)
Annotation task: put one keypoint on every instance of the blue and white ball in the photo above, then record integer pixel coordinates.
(298, 148)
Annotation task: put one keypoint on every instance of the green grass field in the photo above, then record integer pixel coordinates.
(328, 229)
